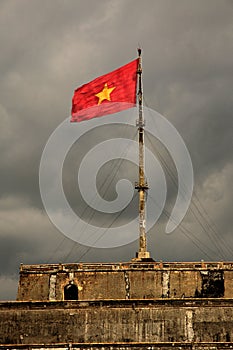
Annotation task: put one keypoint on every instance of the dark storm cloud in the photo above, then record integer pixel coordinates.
(49, 48)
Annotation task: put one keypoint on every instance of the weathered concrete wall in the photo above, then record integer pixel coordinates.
(123, 346)
(228, 282)
(126, 280)
(34, 286)
(93, 284)
(126, 321)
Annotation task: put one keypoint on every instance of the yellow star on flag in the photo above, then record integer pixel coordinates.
(105, 93)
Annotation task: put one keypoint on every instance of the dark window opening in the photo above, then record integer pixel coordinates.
(212, 284)
(71, 292)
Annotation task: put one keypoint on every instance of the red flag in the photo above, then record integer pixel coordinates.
(110, 93)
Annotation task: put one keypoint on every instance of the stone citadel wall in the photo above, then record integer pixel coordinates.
(125, 321)
(133, 305)
(131, 280)
(121, 346)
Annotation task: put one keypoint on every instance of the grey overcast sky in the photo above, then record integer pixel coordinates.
(48, 48)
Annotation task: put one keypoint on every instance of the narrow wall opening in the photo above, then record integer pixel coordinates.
(71, 292)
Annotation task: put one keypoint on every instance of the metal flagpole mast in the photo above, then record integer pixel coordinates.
(142, 185)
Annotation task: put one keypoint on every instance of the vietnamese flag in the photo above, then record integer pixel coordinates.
(110, 93)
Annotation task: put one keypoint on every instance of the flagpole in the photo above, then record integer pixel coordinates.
(142, 185)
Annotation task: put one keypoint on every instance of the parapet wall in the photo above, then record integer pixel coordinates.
(147, 280)
(121, 346)
(114, 322)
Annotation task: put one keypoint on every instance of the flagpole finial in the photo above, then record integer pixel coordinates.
(139, 51)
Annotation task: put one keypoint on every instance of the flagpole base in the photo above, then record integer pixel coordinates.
(140, 256)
